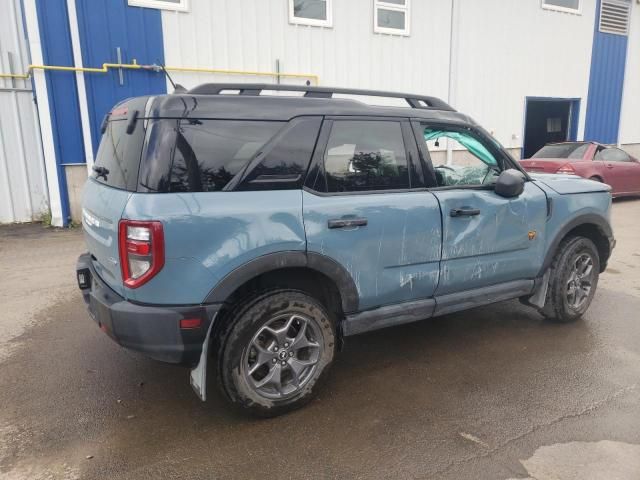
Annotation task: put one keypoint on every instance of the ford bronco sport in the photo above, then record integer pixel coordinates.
(256, 226)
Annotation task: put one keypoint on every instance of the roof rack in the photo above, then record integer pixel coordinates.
(415, 101)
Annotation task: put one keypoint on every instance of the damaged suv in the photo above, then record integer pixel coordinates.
(250, 228)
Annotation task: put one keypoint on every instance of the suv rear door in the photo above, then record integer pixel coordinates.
(365, 206)
(107, 191)
(487, 239)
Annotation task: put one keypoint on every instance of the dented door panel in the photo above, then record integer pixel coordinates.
(394, 257)
(503, 242)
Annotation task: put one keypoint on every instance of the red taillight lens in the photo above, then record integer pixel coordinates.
(567, 169)
(141, 251)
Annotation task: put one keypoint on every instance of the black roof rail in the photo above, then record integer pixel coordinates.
(415, 101)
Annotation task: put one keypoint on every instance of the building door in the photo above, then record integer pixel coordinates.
(548, 121)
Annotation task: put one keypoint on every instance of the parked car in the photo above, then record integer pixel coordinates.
(250, 232)
(591, 160)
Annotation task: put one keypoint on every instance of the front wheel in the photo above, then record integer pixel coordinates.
(573, 281)
(276, 351)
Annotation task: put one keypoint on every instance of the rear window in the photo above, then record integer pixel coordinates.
(118, 158)
(572, 151)
(209, 153)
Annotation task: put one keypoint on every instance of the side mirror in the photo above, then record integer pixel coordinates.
(510, 183)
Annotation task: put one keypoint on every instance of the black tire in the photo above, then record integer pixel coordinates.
(595, 179)
(254, 322)
(559, 306)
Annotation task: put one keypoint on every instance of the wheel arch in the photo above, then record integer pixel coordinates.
(594, 227)
(301, 270)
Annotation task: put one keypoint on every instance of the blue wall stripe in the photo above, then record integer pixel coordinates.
(62, 91)
(606, 80)
(104, 26)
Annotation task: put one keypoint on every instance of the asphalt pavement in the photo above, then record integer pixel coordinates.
(493, 393)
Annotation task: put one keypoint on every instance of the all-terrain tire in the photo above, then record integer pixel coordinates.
(558, 305)
(237, 345)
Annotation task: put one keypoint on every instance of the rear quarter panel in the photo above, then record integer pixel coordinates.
(207, 235)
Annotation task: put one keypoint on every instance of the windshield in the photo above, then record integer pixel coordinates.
(572, 151)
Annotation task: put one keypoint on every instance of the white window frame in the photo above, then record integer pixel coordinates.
(576, 11)
(312, 21)
(182, 6)
(406, 9)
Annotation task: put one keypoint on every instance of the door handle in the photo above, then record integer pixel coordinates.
(347, 222)
(464, 212)
(609, 165)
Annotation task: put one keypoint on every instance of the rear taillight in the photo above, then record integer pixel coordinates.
(567, 169)
(141, 251)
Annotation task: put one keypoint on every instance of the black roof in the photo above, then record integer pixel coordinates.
(244, 101)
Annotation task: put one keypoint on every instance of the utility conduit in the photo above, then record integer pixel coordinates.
(157, 68)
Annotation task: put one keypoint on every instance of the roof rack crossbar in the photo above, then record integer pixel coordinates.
(415, 101)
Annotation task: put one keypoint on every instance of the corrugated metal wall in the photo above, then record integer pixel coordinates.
(23, 187)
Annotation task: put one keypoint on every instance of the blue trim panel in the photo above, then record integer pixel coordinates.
(606, 80)
(53, 21)
(105, 26)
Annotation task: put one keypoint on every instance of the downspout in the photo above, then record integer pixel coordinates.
(451, 73)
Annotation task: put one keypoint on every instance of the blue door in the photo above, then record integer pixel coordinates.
(487, 239)
(364, 211)
(113, 32)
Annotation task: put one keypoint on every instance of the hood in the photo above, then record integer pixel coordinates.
(568, 184)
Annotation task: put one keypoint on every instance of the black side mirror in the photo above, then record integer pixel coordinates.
(510, 183)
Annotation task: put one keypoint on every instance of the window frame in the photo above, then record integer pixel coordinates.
(328, 23)
(183, 6)
(557, 8)
(316, 182)
(505, 161)
(406, 9)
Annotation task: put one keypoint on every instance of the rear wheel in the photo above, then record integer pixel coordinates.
(573, 281)
(595, 179)
(276, 352)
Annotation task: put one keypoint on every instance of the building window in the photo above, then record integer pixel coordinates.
(570, 6)
(391, 16)
(178, 5)
(310, 12)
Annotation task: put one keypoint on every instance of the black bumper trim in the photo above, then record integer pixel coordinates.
(150, 329)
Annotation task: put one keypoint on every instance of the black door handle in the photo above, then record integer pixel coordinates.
(347, 222)
(464, 212)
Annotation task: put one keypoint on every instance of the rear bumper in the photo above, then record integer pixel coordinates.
(150, 329)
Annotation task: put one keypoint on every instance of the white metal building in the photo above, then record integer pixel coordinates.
(530, 71)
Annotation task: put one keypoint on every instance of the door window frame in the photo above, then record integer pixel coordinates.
(505, 161)
(315, 181)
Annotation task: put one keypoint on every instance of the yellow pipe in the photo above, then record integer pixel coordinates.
(135, 66)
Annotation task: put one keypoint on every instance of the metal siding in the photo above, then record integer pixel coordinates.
(606, 81)
(629, 129)
(23, 189)
(104, 26)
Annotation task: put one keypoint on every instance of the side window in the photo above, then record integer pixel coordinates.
(612, 155)
(366, 155)
(470, 162)
(209, 153)
(285, 164)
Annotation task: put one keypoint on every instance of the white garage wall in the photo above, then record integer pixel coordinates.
(509, 50)
(504, 51)
(630, 116)
(252, 34)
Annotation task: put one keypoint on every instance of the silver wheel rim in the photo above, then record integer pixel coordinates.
(282, 357)
(580, 281)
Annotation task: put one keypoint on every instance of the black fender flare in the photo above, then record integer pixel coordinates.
(598, 221)
(289, 259)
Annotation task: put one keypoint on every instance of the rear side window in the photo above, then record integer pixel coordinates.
(118, 158)
(209, 153)
(366, 155)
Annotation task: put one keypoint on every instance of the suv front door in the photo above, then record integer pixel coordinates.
(488, 240)
(366, 207)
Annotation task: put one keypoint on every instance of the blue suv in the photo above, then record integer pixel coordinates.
(257, 226)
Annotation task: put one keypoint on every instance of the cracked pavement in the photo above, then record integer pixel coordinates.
(492, 393)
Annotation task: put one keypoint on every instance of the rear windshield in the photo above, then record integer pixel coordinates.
(118, 158)
(572, 151)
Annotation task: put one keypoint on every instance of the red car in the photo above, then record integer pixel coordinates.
(589, 160)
